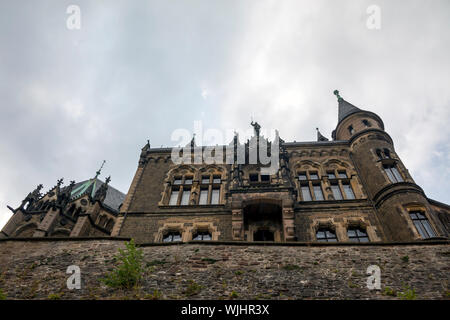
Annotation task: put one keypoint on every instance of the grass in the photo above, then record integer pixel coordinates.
(291, 267)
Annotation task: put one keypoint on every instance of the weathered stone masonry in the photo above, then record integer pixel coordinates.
(36, 269)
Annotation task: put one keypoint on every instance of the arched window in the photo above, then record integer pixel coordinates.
(181, 190)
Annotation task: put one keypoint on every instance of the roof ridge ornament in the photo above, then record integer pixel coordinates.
(99, 170)
(336, 93)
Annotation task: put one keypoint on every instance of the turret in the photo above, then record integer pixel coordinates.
(389, 186)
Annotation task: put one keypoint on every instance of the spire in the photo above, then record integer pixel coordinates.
(345, 108)
(99, 170)
(320, 137)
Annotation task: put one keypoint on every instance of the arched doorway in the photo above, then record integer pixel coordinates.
(263, 222)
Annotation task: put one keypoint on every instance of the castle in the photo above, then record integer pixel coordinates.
(353, 188)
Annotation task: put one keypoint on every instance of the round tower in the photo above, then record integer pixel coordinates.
(400, 204)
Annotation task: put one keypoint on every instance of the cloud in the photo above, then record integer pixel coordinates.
(134, 71)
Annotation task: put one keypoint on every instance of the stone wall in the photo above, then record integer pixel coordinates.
(36, 269)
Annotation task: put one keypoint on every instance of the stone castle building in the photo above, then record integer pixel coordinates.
(353, 188)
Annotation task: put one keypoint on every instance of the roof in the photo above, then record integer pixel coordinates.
(113, 199)
(346, 109)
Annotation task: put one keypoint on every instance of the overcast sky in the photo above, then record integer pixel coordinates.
(138, 70)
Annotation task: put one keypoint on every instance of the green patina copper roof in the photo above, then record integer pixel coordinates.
(87, 187)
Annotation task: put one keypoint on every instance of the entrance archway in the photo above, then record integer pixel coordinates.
(263, 222)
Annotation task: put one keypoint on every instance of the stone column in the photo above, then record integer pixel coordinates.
(237, 227)
(288, 224)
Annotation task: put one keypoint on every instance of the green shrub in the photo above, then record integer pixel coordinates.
(193, 288)
(389, 292)
(54, 296)
(233, 295)
(291, 267)
(128, 273)
(2, 295)
(407, 294)
(405, 259)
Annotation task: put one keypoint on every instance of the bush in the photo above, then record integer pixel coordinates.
(407, 294)
(2, 295)
(130, 269)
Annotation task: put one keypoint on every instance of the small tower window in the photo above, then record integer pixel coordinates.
(174, 198)
(306, 194)
(318, 192)
(392, 173)
(348, 190)
(366, 123)
(351, 130)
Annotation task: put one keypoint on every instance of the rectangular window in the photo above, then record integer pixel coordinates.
(331, 175)
(205, 179)
(397, 174)
(348, 191)
(313, 176)
(203, 197)
(342, 174)
(188, 180)
(215, 195)
(173, 198)
(318, 192)
(306, 194)
(216, 179)
(422, 224)
(265, 178)
(302, 176)
(336, 192)
(253, 177)
(393, 173)
(185, 197)
(177, 180)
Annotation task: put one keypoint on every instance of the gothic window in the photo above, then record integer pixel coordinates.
(210, 189)
(215, 196)
(202, 236)
(326, 235)
(336, 191)
(357, 234)
(340, 185)
(348, 190)
(172, 236)
(174, 197)
(392, 173)
(310, 185)
(306, 194)
(422, 224)
(203, 197)
(185, 197)
(318, 194)
(181, 190)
